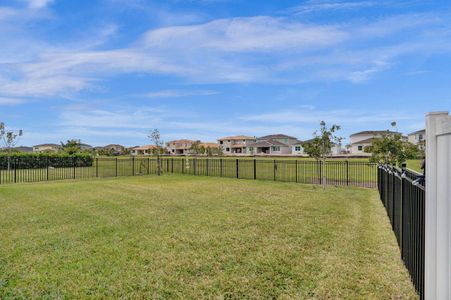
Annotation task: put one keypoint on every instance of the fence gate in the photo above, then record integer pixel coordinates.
(438, 206)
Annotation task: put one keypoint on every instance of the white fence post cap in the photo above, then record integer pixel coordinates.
(434, 113)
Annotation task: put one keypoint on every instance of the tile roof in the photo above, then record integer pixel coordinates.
(276, 136)
(237, 137)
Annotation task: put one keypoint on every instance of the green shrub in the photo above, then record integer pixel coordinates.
(42, 160)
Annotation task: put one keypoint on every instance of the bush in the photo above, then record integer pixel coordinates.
(42, 160)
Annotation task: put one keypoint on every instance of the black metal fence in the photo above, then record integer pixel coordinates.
(403, 194)
(339, 173)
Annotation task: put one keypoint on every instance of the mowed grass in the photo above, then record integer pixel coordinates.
(196, 237)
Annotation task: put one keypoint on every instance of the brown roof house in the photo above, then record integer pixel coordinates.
(236, 145)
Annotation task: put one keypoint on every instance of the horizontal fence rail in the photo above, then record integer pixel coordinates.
(337, 173)
(402, 193)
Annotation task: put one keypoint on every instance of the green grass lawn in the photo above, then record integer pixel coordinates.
(196, 237)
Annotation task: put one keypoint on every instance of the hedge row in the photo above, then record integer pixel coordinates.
(43, 160)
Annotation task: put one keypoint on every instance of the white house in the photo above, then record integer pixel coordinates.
(358, 141)
(418, 138)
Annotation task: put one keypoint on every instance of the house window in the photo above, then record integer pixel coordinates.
(420, 137)
(297, 148)
(276, 148)
(221, 142)
(360, 148)
(227, 149)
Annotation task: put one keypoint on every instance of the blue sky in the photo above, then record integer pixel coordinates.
(109, 71)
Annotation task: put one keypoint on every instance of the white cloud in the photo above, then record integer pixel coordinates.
(10, 101)
(39, 3)
(180, 93)
(253, 49)
(318, 6)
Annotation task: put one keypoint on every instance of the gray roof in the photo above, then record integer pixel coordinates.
(268, 143)
(276, 136)
(418, 131)
(374, 132)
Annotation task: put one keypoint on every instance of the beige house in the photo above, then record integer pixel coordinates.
(46, 148)
(418, 138)
(143, 150)
(236, 145)
(358, 141)
(275, 144)
(180, 147)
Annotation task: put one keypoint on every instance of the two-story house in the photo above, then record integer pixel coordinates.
(418, 138)
(180, 147)
(360, 140)
(275, 144)
(236, 145)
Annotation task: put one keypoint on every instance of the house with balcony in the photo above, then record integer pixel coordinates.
(418, 138)
(236, 145)
(180, 147)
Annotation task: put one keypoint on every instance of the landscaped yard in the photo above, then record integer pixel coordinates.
(181, 236)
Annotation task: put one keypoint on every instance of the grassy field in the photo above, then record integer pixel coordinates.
(196, 237)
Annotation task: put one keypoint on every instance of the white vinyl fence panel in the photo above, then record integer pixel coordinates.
(438, 206)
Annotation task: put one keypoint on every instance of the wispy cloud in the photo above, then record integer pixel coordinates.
(11, 101)
(181, 93)
(39, 3)
(316, 6)
(260, 49)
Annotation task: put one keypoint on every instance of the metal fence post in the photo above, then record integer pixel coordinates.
(296, 170)
(220, 168)
(73, 162)
(47, 166)
(172, 166)
(275, 168)
(237, 170)
(195, 165)
(347, 172)
(206, 166)
(255, 169)
(116, 166)
(133, 166)
(15, 169)
(97, 167)
(403, 182)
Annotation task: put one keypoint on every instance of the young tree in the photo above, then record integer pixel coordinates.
(71, 146)
(156, 139)
(392, 149)
(196, 148)
(9, 139)
(320, 147)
